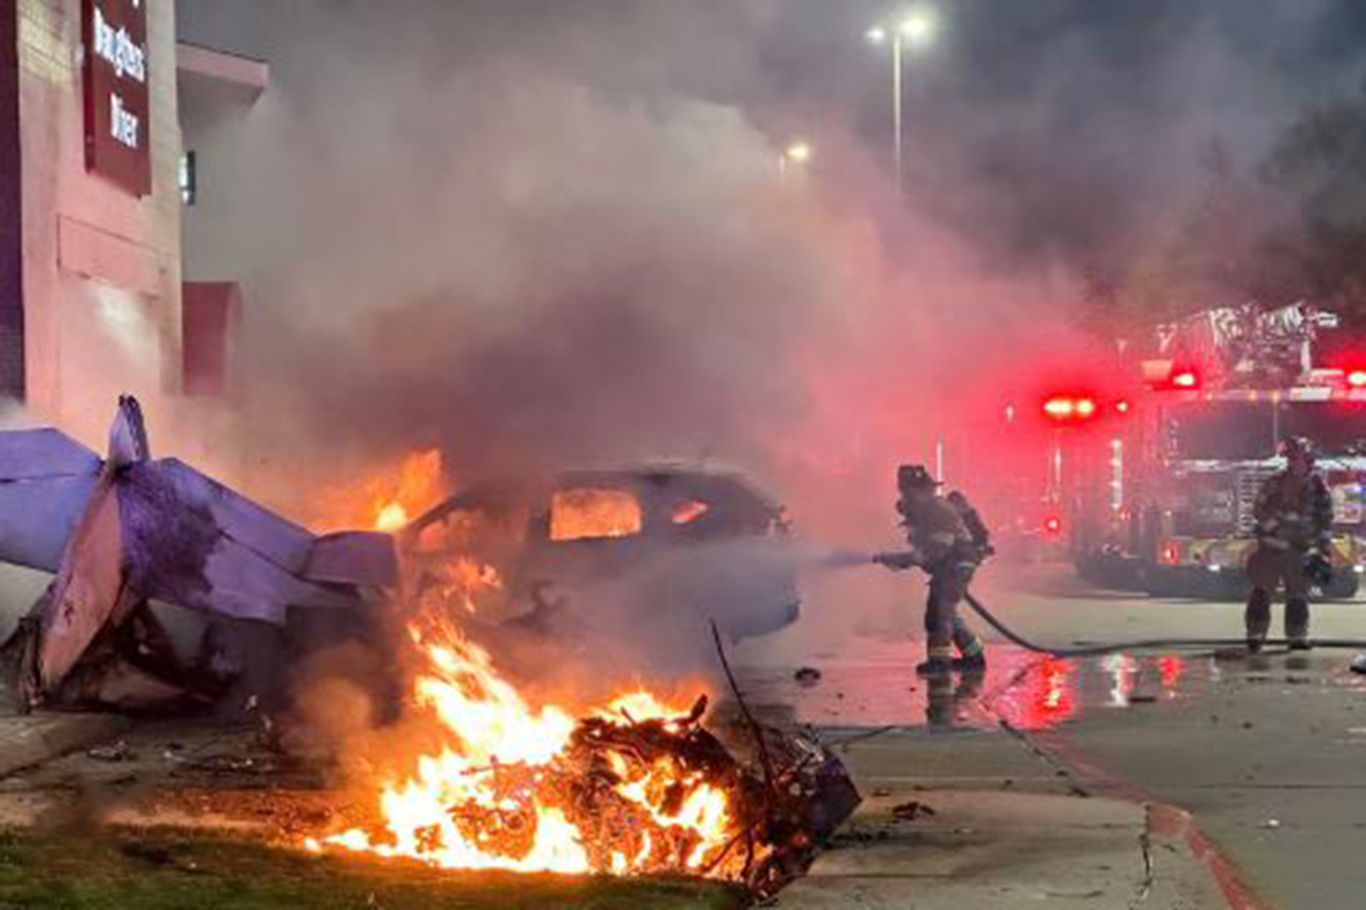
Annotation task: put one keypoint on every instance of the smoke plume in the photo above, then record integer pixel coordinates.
(546, 234)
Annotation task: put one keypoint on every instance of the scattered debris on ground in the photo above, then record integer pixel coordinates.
(910, 811)
(114, 752)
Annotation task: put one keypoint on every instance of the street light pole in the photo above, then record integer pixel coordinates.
(898, 44)
(917, 28)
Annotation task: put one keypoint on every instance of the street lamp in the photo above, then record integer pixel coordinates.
(797, 154)
(915, 29)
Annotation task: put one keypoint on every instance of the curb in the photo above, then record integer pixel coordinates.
(1165, 821)
(28, 740)
(1169, 823)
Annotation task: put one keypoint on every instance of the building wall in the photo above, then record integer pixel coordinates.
(11, 222)
(102, 297)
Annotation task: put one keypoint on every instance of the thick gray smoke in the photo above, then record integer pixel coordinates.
(1072, 130)
(535, 233)
(524, 245)
(541, 233)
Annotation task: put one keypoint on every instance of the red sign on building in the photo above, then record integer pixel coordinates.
(117, 101)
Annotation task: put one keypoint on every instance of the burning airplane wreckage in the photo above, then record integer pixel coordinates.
(639, 787)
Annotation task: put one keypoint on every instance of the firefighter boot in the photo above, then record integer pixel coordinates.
(1257, 618)
(1297, 623)
(971, 664)
(939, 702)
(972, 657)
(935, 667)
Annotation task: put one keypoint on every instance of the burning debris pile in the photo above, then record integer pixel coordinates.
(639, 787)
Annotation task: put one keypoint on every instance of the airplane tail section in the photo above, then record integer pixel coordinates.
(135, 530)
(128, 436)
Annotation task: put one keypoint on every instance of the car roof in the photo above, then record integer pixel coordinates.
(719, 484)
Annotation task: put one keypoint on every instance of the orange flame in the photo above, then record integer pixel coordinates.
(387, 501)
(460, 582)
(487, 800)
(594, 513)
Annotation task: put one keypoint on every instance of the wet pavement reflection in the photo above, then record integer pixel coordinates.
(872, 683)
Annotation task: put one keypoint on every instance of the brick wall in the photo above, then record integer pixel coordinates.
(11, 222)
(101, 267)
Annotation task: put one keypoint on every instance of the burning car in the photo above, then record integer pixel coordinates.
(655, 544)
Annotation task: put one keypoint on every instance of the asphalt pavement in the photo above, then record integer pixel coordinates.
(1266, 753)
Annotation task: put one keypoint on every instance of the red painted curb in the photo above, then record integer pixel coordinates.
(1170, 823)
(1234, 889)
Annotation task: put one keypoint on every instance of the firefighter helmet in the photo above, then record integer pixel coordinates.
(1298, 447)
(915, 476)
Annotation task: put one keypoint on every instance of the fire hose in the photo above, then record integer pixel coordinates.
(1092, 650)
(1152, 644)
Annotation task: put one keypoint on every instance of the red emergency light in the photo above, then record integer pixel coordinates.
(1052, 525)
(1122, 406)
(1356, 379)
(1063, 408)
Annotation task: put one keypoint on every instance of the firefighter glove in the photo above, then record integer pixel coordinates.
(1318, 569)
(898, 561)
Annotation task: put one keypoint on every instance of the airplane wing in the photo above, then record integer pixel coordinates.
(192, 541)
(46, 477)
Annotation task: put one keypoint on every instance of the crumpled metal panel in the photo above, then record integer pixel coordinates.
(354, 557)
(250, 525)
(89, 589)
(45, 479)
(193, 542)
(36, 454)
(37, 518)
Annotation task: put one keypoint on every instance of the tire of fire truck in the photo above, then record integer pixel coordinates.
(1231, 585)
(1191, 582)
(1111, 570)
(1161, 581)
(1344, 586)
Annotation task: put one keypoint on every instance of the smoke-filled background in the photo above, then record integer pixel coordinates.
(539, 234)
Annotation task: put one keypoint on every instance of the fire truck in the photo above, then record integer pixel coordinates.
(1158, 487)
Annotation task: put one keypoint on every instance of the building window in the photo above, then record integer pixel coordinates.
(189, 179)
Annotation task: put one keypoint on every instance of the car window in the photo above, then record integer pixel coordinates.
(688, 511)
(594, 513)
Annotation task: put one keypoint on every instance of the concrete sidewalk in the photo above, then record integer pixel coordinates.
(985, 850)
(980, 820)
(31, 739)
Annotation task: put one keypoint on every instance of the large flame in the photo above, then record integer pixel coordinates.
(388, 500)
(458, 582)
(508, 790)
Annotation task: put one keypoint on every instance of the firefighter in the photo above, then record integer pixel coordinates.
(1294, 515)
(948, 541)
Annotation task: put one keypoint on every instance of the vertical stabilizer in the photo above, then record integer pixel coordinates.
(128, 436)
